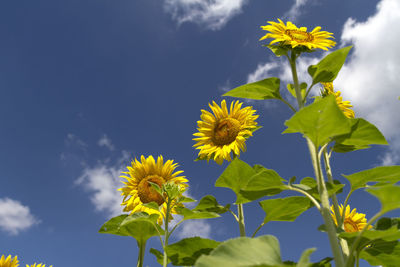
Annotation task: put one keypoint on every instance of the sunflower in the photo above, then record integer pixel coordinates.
(343, 105)
(38, 265)
(353, 221)
(138, 191)
(8, 262)
(224, 132)
(289, 34)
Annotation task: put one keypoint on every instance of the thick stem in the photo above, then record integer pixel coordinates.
(166, 236)
(241, 220)
(325, 210)
(142, 249)
(292, 61)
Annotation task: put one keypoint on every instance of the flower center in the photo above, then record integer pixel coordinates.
(147, 193)
(299, 36)
(225, 131)
(350, 226)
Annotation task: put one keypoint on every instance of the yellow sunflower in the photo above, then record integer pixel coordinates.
(343, 105)
(8, 262)
(353, 221)
(224, 131)
(138, 191)
(289, 34)
(38, 265)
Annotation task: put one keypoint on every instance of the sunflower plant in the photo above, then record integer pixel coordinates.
(153, 190)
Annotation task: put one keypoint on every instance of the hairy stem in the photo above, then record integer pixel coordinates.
(241, 220)
(142, 249)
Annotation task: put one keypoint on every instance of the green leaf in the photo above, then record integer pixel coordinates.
(384, 174)
(278, 50)
(260, 90)
(388, 195)
(369, 236)
(264, 182)
(328, 68)
(140, 226)
(284, 209)
(209, 203)
(236, 176)
(183, 199)
(244, 252)
(193, 214)
(159, 255)
(310, 186)
(305, 258)
(152, 205)
(386, 223)
(320, 121)
(188, 250)
(362, 135)
(382, 253)
(292, 91)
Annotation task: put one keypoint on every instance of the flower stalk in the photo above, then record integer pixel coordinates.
(241, 220)
(142, 249)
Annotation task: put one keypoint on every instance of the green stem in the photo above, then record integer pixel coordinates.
(308, 91)
(345, 204)
(313, 200)
(292, 61)
(241, 220)
(166, 236)
(325, 210)
(258, 228)
(142, 249)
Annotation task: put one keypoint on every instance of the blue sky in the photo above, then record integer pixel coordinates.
(88, 85)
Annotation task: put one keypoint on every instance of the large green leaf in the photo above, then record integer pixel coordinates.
(264, 182)
(159, 255)
(382, 253)
(244, 252)
(305, 258)
(328, 68)
(388, 195)
(384, 174)
(140, 226)
(194, 214)
(362, 135)
(236, 176)
(209, 203)
(260, 90)
(188, 250)
(320, 121)
(284, 209)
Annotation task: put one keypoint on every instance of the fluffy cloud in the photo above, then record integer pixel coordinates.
(295, 11)
(102, 182)
(194, 228)
(106, 142)
(211, 14)
(15, 217)
(370, 78)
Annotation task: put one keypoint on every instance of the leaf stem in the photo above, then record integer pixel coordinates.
(142, 249)
(292, 61)
(289, 105)
(166, 236)
(258, 228)
(241, 220)
(313, 200)
(234, 215)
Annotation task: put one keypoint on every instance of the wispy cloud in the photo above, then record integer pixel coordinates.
(210, 14)
(15, 217)
(104, 141)
(195, 228)
(295, 11)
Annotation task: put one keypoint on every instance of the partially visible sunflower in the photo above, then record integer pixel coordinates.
(138, 191)
(343, 105)
(9, 262)
(223, 131)
(289, 34)
(353, 221)
(38, 265)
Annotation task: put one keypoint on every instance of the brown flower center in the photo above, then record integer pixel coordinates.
(147, 193)
(350, 226)
(299, 36)
(225, 131)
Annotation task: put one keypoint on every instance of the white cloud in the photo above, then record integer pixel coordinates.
(370, 78)
(294, 12)
(106, 142)
(194, 228)
(15, 217)
(74, 141)
(102, 182)
(211, 14)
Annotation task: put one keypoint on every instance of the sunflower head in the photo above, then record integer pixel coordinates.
(353, 221)
(344, 106)
(289, 34)
(140, 180)
(9, 261)
(224, 132)
(38, 265)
